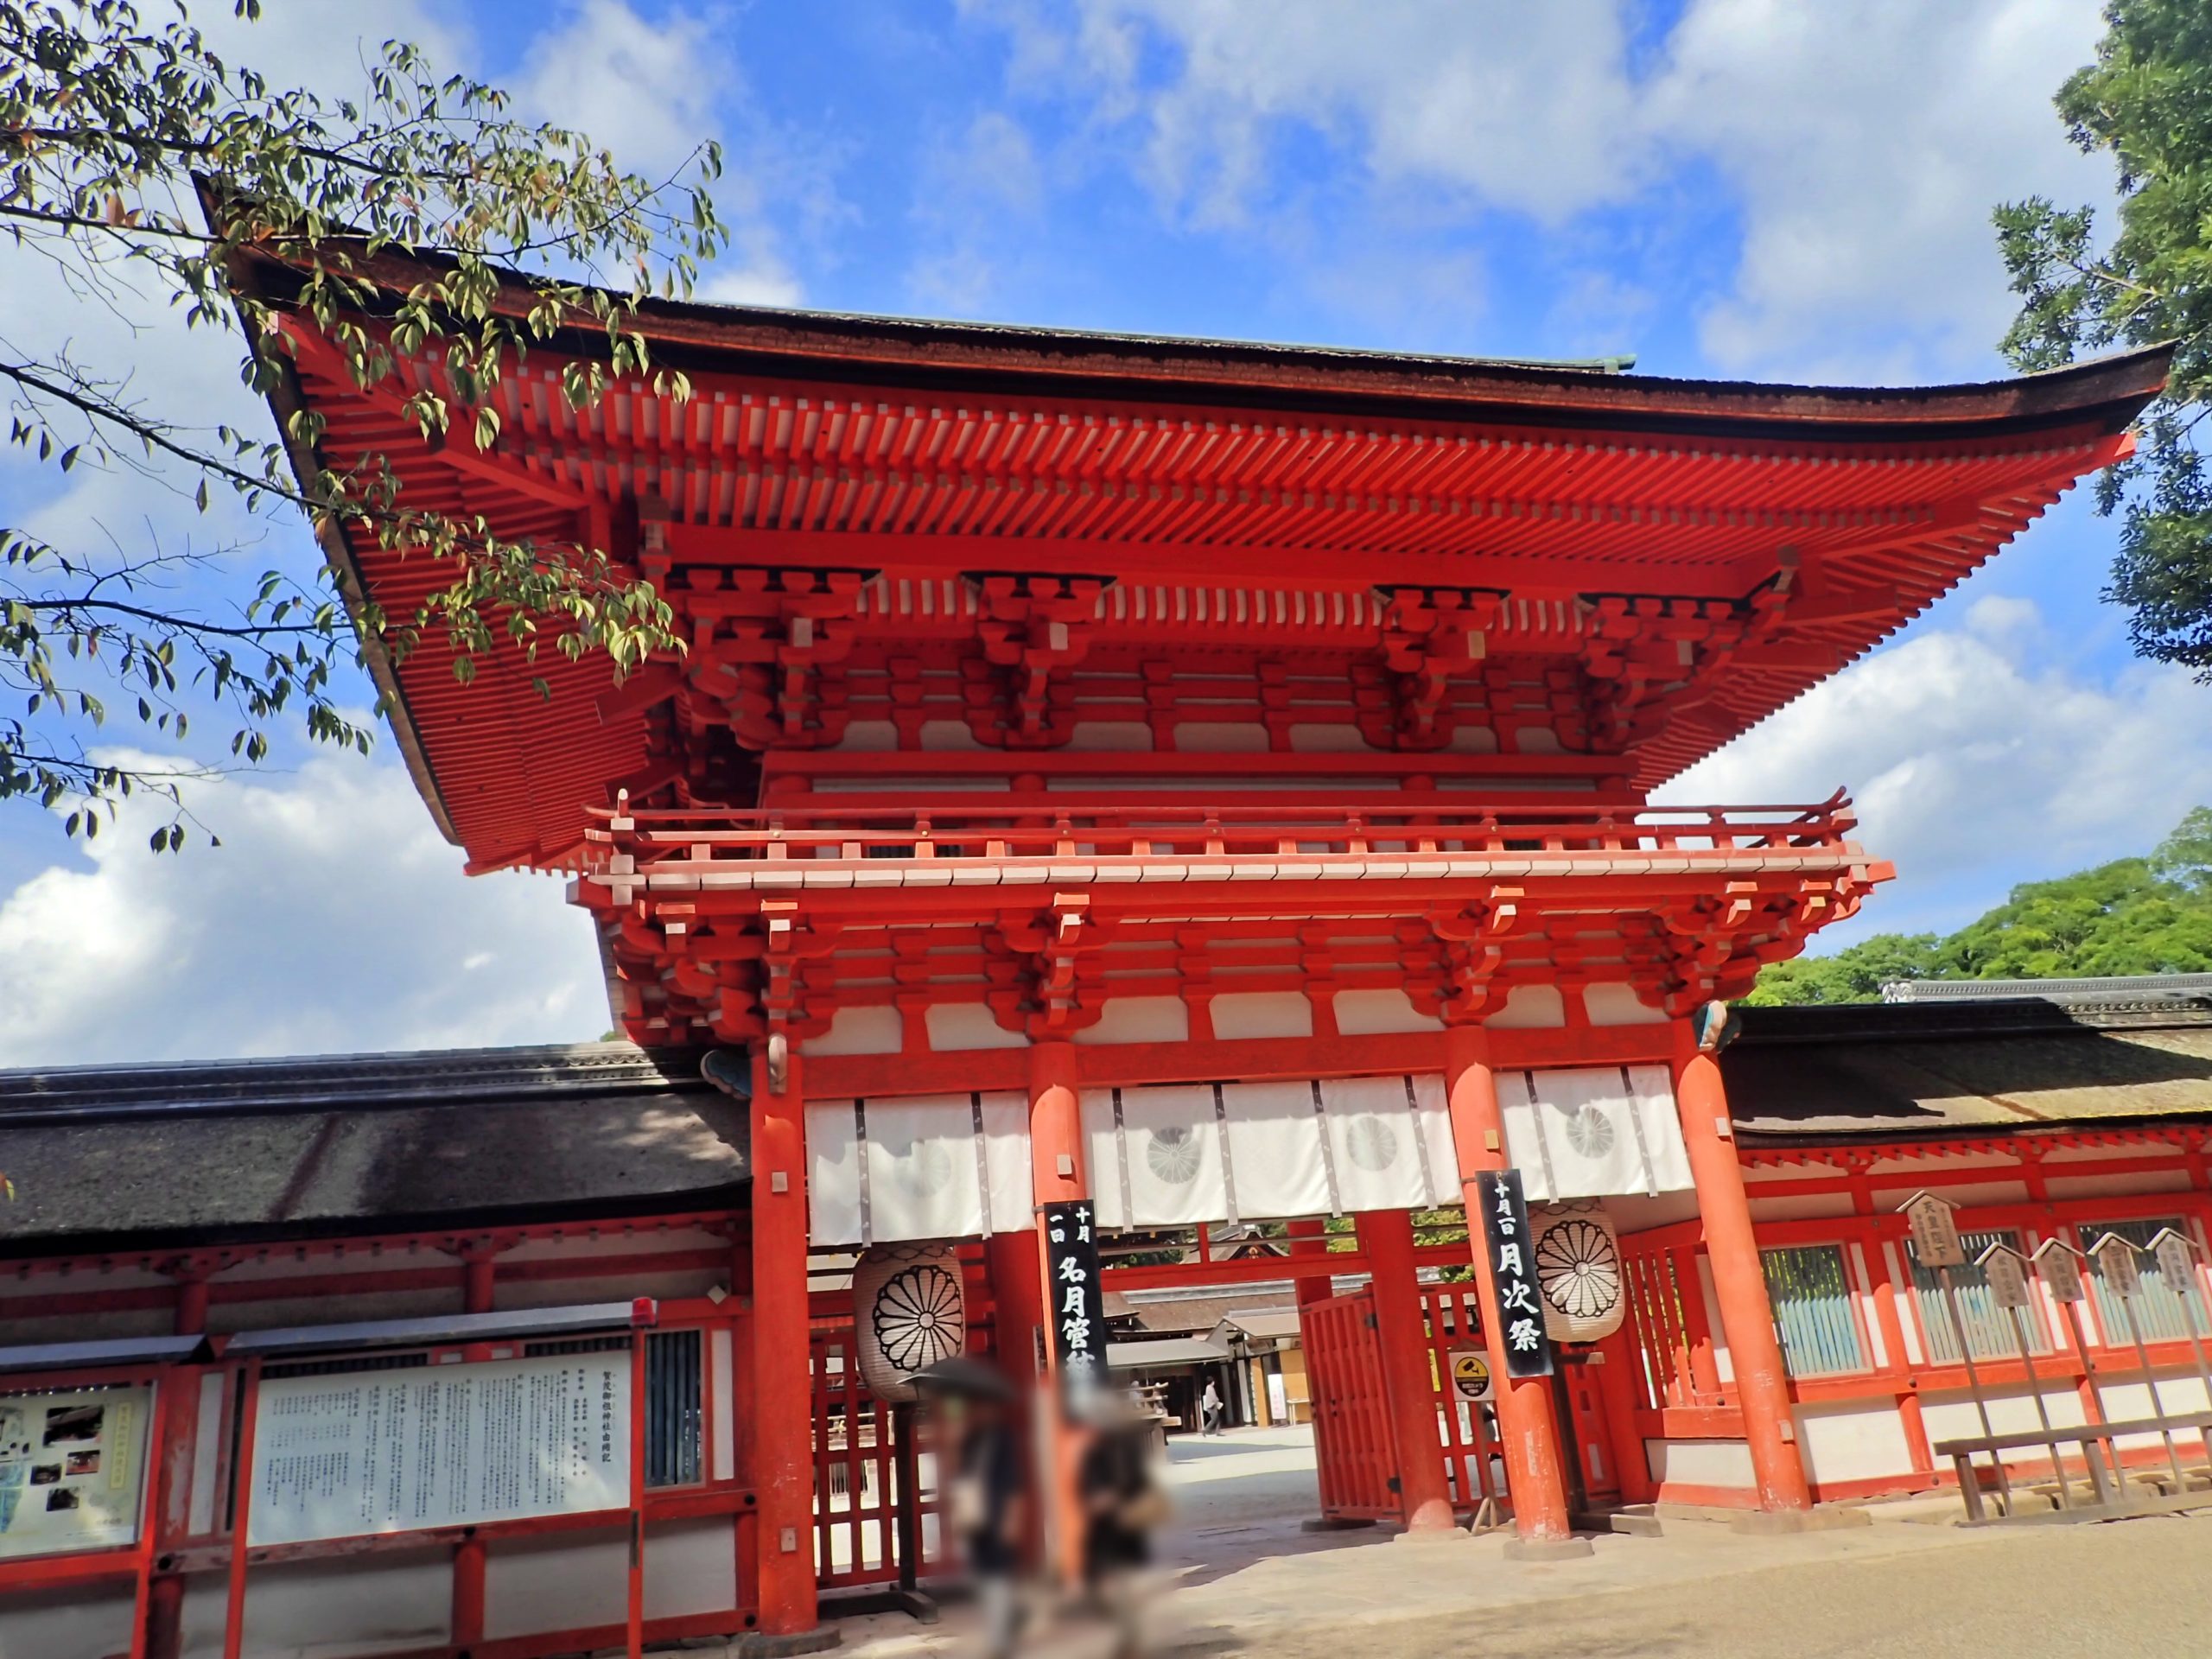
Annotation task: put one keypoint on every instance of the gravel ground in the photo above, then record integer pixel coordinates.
(2133, 1588)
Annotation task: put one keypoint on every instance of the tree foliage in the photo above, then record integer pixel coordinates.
(144, 166)
(2146, 102)
(2132, 916)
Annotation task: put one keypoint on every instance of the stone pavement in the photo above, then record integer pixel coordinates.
(1237, 1575)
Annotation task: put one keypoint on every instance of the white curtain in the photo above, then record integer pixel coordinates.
(1599, 1132)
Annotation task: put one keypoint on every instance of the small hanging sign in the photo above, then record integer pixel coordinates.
(2177, 1259)
(1935, 1230)
(2006, 1271)
(2115, 1257)
(1077, 1299)
(2060, 1264)
(1513, 1270)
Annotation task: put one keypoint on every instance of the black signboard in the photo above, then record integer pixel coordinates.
(1075, 1299)
(1513, 1269)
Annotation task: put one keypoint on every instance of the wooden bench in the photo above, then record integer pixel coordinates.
(2108, 1490)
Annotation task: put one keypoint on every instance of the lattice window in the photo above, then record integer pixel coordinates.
(1810, 1290)
(1988, 1327)
(2161, 1309)
(675, 1408)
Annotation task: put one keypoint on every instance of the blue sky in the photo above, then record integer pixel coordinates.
(1742, 188)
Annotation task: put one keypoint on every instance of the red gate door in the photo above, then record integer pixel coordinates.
(1354, 1446)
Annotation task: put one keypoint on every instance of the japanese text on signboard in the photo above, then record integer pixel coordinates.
(1513, 1270)
(1075, 1299)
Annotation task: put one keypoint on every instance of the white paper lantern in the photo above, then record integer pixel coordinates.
(1577, 1258)
(908, 1312)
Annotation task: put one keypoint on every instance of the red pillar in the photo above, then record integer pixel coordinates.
(1746, 1316)
(1017, 1314)
(1533, 1473)
(1424, 1495)
(478, 1274)
(1056, 1176)
(179, 1404)
(783, 1387)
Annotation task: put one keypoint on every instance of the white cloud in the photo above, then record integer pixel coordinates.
(1530, 107)
(1976, 764)
(1866, 142)
(646, 92)
(332, 920)
(1863, 141)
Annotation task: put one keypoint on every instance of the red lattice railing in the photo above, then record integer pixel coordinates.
(1119, 828)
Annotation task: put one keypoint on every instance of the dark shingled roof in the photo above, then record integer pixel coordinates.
(1909, 1069)
(242, 1151)
(239, 1151)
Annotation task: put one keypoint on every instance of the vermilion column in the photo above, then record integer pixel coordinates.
(1525, 1422)
(1056, 1176)
(178, 1400)
(782, 1404)
(1424, 1495)
(1017, 1312)
(1746, 1316)
(479, 1279)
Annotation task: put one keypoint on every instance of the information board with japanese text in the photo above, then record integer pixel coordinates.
(1075, 1299)
(352, 1453)
(72, 1469)
(1513, 1270)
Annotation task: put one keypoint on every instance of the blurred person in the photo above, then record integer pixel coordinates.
(987, 1498)
(1122, 1502)
(1210, 1409)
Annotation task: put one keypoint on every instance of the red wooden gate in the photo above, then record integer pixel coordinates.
(855, 1511)
(1471, 1447)
(1355, 1449)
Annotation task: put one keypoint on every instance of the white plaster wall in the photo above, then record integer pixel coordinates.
(1139, 1019)
(74, 1622)
(1615, 1003)
(561, 1581)
(1220, 737)
(860, 1030)
(321, 1610)
(1803, 1207)
(691, 1567)
(1367, 1014)
(948, 736)
(1326, 738)
(1857, 1441)
(2091, 1186)
(1531, 1006)
(1952, 1415)
(868, 736)
(967, 1025)
(1261, 1013)
(1108, 737)
(1701, 1463)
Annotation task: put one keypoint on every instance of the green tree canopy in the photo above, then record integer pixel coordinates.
(2146, 102)
(144, 169)
(2132, 916)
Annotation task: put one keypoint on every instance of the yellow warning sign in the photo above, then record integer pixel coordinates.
(1471, 1376)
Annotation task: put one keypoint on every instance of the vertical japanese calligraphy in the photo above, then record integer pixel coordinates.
(1075, 1298)
(354, 1453)
(1513, 1270)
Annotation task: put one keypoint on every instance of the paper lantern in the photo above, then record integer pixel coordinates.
(908, 1313)
(1578, 1258)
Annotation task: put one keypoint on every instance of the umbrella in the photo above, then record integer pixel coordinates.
(963, 1377)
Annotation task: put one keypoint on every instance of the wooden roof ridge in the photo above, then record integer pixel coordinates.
(2107, 391)
(400, 1080)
